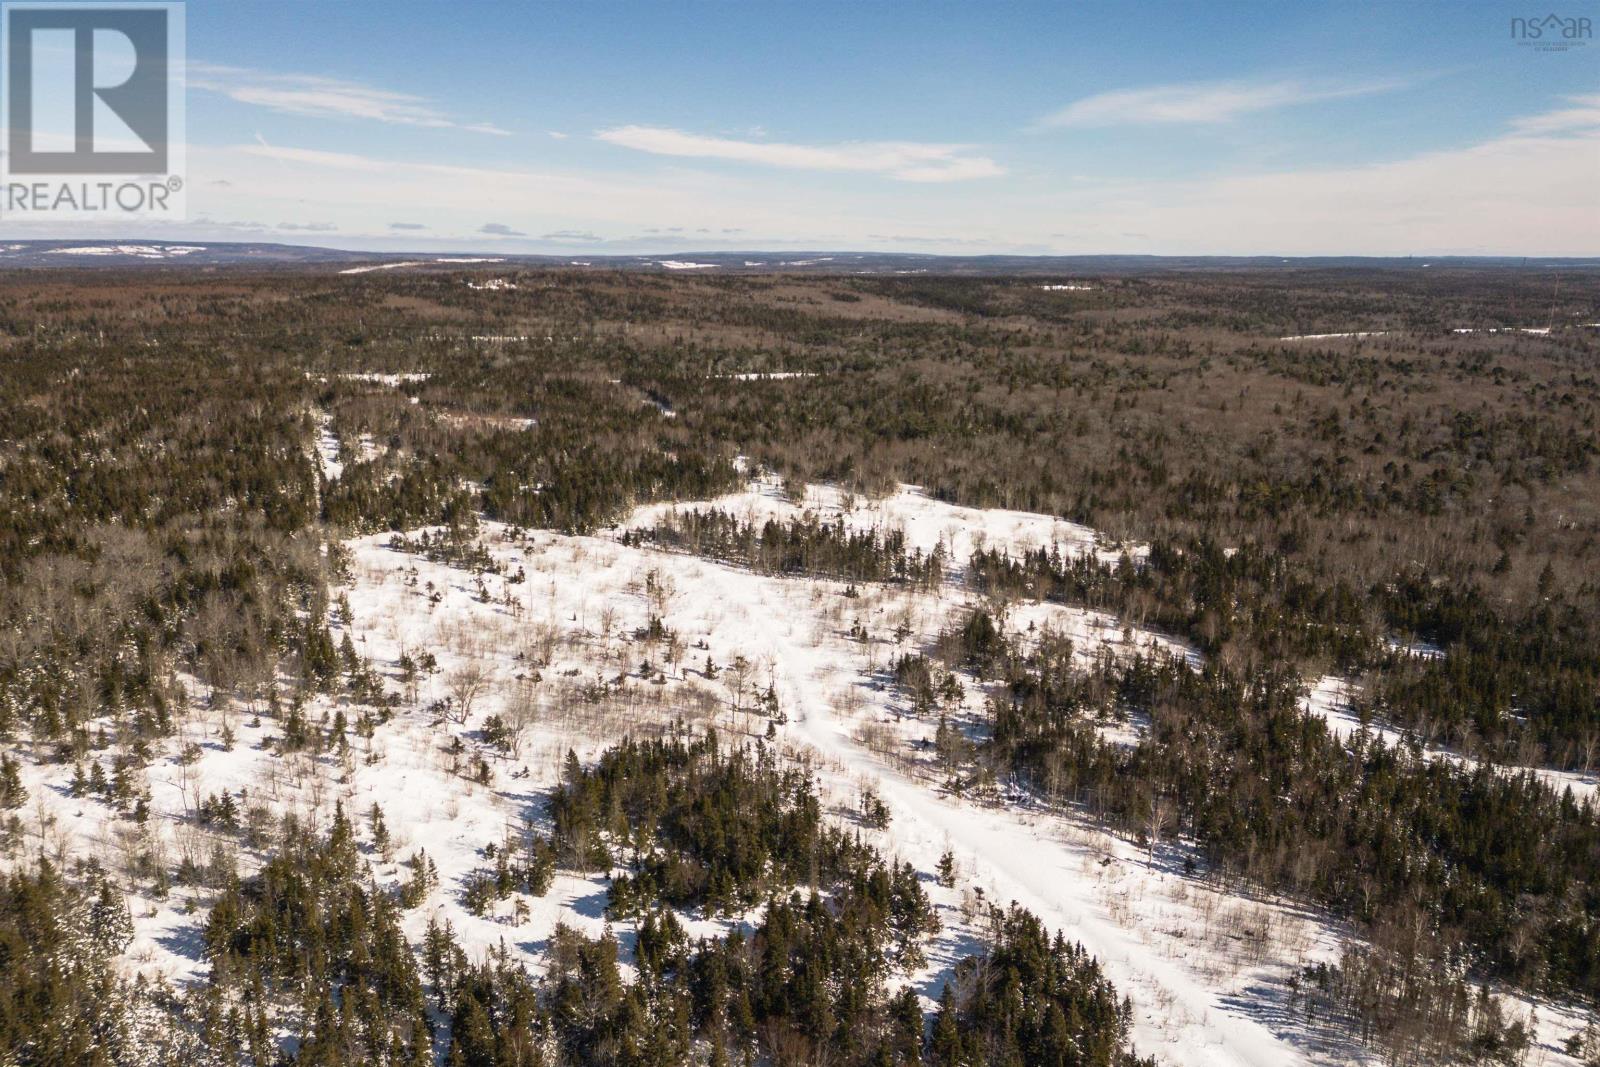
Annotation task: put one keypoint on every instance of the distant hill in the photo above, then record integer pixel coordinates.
(141, 253)
(134, 252)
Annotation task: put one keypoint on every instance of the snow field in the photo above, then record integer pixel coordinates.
(926, 523)
(1171, 942)
(552, 636)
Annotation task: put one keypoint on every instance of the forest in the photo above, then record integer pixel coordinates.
(187, 456)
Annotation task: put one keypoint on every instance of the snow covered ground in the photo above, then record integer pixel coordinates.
(490, 422)
(328, 448)
(382, 266)
(139, 251)
(1196, 960)
(395, 380)
(1332, 336)
(556, 629)
(926, 523)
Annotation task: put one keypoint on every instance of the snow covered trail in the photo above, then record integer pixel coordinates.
(1177, 1017)
(1329, 698)
(1024, 857)
(1167, 940)
(327, 448)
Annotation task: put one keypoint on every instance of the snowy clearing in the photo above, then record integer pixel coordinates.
(927, 523)
(587, 595)
(395, 380)
(559, 623)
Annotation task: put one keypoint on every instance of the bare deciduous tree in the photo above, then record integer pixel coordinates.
(521, 712)
(466, 683)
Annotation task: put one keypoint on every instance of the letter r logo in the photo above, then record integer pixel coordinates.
(86, 89)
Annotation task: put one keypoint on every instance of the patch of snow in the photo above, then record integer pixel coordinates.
(382, 266)
(140, 251)
(395, 380)
(926, 523)
(493, 422)
(1331, 336)
(1416, 649)
(328, 449)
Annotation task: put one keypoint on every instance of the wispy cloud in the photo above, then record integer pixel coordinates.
(1199, 103)
(315, 96)
(1526, 192)
(1529, 190)
(1583, 114)
(499, 229)
(908, 161)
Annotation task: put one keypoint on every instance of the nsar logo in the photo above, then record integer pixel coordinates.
(1552, 33)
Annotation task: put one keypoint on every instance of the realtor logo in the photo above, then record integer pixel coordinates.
(92, 90)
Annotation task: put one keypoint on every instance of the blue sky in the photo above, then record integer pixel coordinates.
(1385, 128)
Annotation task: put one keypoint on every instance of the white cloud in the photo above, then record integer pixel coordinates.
(1584, 112)
(1198, 103)
(319, 97)
(340, 160)
(1528, 191)
(364, 193)
(908, 161)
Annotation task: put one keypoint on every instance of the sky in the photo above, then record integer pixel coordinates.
(1395, 128)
